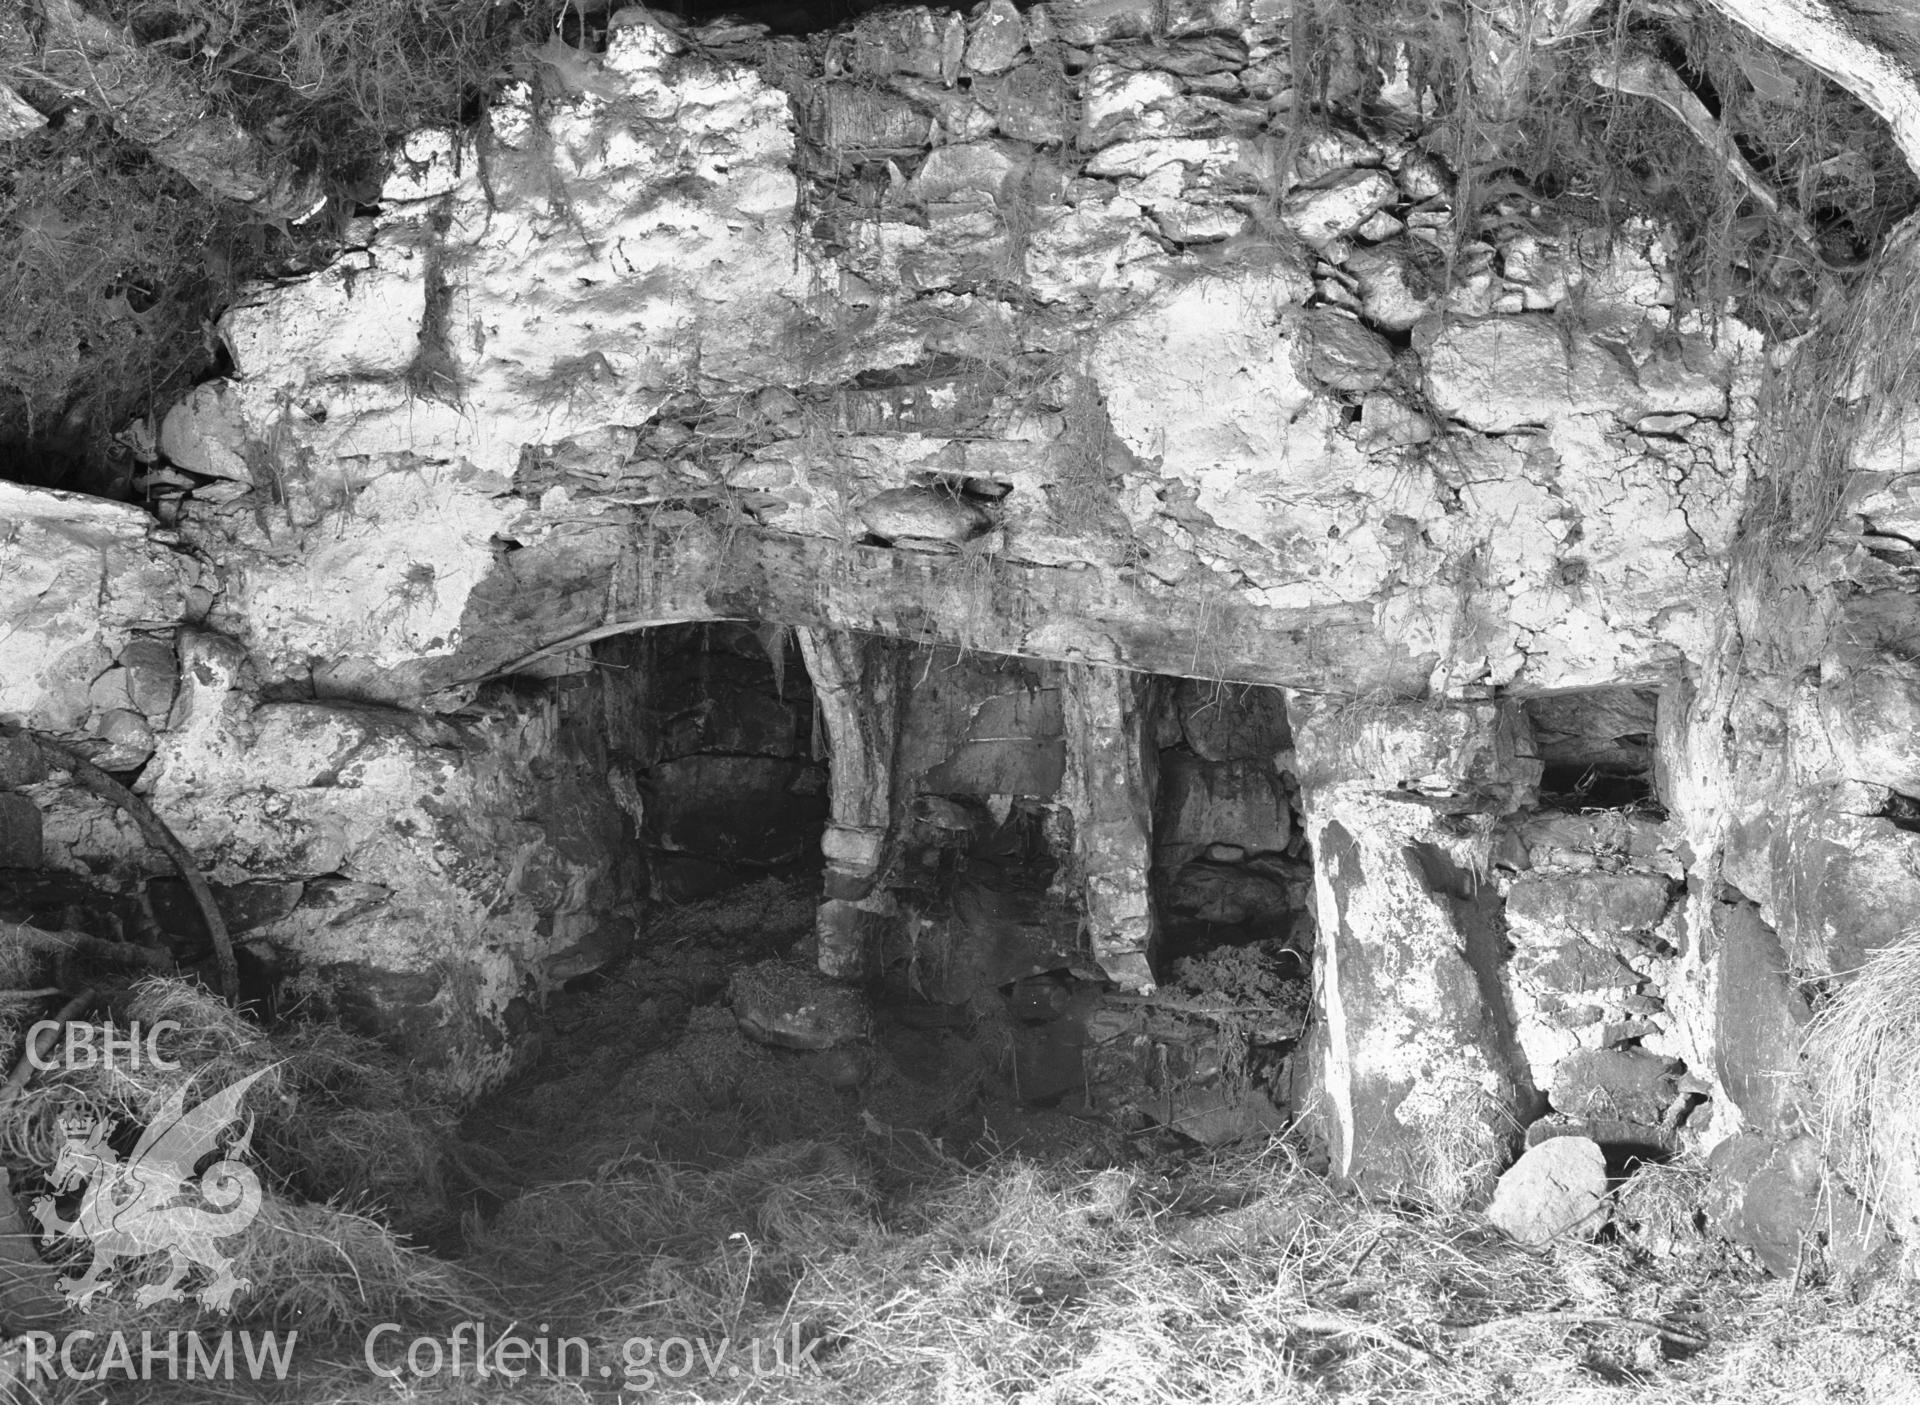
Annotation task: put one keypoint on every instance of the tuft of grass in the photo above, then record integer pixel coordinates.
(336, 1117)
(1863, 1054)
(1242, 1277)
(1844, 386)
(322, 1269)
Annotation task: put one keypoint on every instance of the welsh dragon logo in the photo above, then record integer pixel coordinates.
(147, 1204)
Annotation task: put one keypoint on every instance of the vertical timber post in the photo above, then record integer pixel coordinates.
(857, 688)
(1108, 786)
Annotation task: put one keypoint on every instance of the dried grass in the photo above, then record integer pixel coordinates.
(1845, 386)
(319, 1268)
(1863, 1052)
(336, 1117)
(1243, 1278)
(1238, 1277)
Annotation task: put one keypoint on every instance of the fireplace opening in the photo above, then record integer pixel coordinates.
(716, 751)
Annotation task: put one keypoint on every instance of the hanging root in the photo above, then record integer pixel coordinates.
(92, 778)
(1645, 76)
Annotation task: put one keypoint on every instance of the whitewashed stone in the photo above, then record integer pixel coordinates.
(207, 433)
(1502, 373)
(77, 576)
(1339, 207)
(971, 171)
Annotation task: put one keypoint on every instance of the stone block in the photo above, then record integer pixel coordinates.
(1224, 723)
(1573, 968)
(1506, 372)
(1400, 283)
(403, 1006)
(129, 740)
(110, 690)
(1599, 907)
(1870, 709)
(1446, 750)
(853, 848)
(1337, 351)
(245, 907)
(1221, 1114)
(856, 117)
(1031, 104)
(1012, 744)
(847, 930)
(1843, 885)
(791, 1007)
(919, 42)
(1229, 802)
(734, 809)
(1628, 1085)
(1085, 22)
(1227, 895)
(740, 721)
(1595, 727)
(996, 39)
(1339, 206)
(1758, 1019)
(78, 575)
(21, 763)
(1557, 1190)
(20, 832)
(975, 172)
(1608, 838)
(208, 433)
(1766, 1195)
(1418, 1083)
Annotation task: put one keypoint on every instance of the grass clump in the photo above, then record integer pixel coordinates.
(1863, 1052)
(1240, 1277)
(336, 1118)
(1841, 394)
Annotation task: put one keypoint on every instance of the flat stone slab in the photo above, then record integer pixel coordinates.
(791, 1007)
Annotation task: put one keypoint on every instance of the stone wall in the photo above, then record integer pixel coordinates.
(769, 327)
(1059, 335)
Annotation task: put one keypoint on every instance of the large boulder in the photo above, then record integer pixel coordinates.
(442, 870)
(791, 1007)
(1770, 1196)
(1843, 884)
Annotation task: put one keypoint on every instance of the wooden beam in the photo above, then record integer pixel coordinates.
(608, 576)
